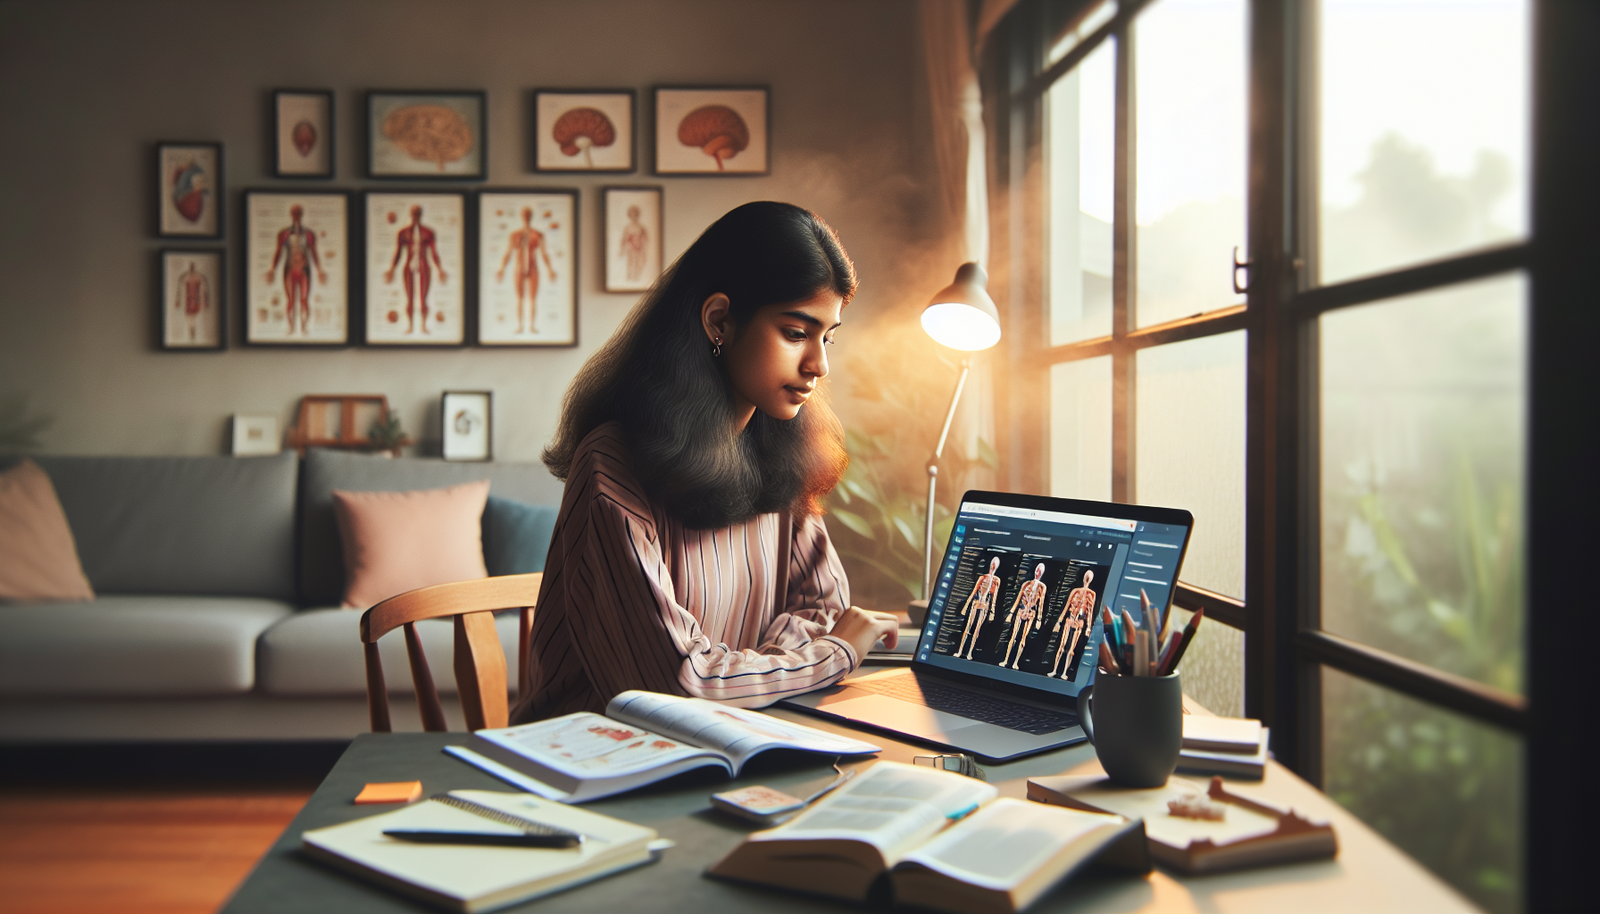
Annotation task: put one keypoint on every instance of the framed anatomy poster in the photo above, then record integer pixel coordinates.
(427, 135)
(583, 130)
(528, 268)
(416, 269)
(297, 268)
(193, 300)
(466, 420)
(633, 237)
(189, 190)
(302, 121)
(712, 131)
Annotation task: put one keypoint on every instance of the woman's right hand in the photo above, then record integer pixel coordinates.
(861, 629)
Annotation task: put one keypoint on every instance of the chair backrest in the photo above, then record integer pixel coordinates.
(480, 665)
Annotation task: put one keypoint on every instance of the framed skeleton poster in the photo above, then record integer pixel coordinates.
(528, 268)
(189, 190)
(583, 130)
(193, 300)
(711, 131)
(297, 269)
(302, 133)
(427, 135)
(633, 237)
(416, 269)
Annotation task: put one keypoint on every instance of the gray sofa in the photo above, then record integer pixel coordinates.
(218, 581)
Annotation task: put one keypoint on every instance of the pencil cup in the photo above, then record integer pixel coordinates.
(1136, 726)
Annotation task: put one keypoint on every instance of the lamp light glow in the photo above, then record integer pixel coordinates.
(962, 315)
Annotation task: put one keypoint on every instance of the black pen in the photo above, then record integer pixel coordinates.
(552, 838)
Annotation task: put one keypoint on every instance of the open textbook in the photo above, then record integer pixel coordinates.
(644, 737)
(933, 839)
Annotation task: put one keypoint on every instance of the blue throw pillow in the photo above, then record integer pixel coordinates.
(516, 537)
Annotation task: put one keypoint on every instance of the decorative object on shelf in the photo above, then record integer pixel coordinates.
(297, 279)
(387, 435)
(427, 135)
(527, 268)
(193, 304)
(633, 237)
(416, 269)
(712, 131)
(583, 130)
(961, 316)
(255, 435)
(466, 420)
(189, 190)
(302, 121)
(338, 421)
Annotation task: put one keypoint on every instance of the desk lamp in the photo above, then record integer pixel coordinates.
(961, 316)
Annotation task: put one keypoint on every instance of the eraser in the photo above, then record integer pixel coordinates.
(390, 792)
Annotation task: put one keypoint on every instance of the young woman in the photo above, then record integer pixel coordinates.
(690, 556)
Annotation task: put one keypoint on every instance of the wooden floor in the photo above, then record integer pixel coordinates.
(133, 850)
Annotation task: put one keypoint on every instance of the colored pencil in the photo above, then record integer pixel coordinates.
(1188, 636)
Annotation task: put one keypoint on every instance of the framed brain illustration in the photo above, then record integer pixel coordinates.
(427, 135)
(583, 130)
(189, 190)
(712, 131)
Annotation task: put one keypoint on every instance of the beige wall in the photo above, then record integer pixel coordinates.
(87, 88)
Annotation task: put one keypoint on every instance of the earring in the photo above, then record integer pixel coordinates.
(716, 347)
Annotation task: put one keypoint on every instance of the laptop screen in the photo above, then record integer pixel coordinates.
(1019, 595)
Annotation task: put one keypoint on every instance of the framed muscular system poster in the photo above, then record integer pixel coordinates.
(632, 232)
(416, 288)
(297, 268)
(528, 268)
(712, 131)
(189, 190)
(583, 130)
(427, 135)
(193, 300)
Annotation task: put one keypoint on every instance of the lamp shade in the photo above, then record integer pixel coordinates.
(962, 315)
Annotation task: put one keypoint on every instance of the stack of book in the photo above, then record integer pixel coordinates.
(1224, 745)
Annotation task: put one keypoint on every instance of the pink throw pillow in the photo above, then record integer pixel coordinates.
(38, 557)
(399, 541)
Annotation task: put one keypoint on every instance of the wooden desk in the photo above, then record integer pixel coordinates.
(1369, 876)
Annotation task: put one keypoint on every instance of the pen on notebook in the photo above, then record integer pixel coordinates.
(552, 839)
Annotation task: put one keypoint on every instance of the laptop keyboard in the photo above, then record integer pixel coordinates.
(971, 705)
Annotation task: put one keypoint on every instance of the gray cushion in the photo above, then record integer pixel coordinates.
(318, 652)
(322, 556)
(181, 525)
(134, 646)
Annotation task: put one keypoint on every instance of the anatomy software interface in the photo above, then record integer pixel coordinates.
(1021, 589)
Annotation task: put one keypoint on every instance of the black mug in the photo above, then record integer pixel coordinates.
(1136, 726)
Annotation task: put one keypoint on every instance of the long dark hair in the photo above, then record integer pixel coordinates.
(656, 377)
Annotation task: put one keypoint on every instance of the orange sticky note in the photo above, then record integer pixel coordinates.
(391, 792)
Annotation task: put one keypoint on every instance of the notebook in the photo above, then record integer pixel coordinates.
(472, 878)
(1013, 628)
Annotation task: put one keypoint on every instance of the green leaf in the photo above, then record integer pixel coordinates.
(854, 521)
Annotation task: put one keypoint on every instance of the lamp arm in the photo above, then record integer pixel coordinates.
(933, 482)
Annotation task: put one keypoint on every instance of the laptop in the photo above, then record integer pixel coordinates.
(1014, 625)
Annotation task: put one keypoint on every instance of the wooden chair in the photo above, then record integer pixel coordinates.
(480, 665)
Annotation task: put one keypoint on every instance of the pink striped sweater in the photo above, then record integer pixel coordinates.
(633, 600)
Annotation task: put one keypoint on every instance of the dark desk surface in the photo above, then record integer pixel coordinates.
(1369, 876)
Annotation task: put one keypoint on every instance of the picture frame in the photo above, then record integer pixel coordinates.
(712, 130)
(303, 133)
(189, 190)
(631, 225)
(255, 435)
(466, 422)
(192, 305)
(428, 135)
(418, 289)
(341, 421)
(527, 282)
(297, 268)
(584, 130)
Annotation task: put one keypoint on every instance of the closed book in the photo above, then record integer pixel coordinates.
(473, 878)
(1250, 764)
(1205, 733)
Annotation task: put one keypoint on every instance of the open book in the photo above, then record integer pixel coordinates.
(645, 737)
(932, 839)
(473, 878)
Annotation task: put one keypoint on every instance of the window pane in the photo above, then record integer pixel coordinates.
(1080, 429)
(1190, 449)
(1079, 114)
(1444, 788)
(1075, 32)
(1422, 476)
(1190, 78)
(1424, 130)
